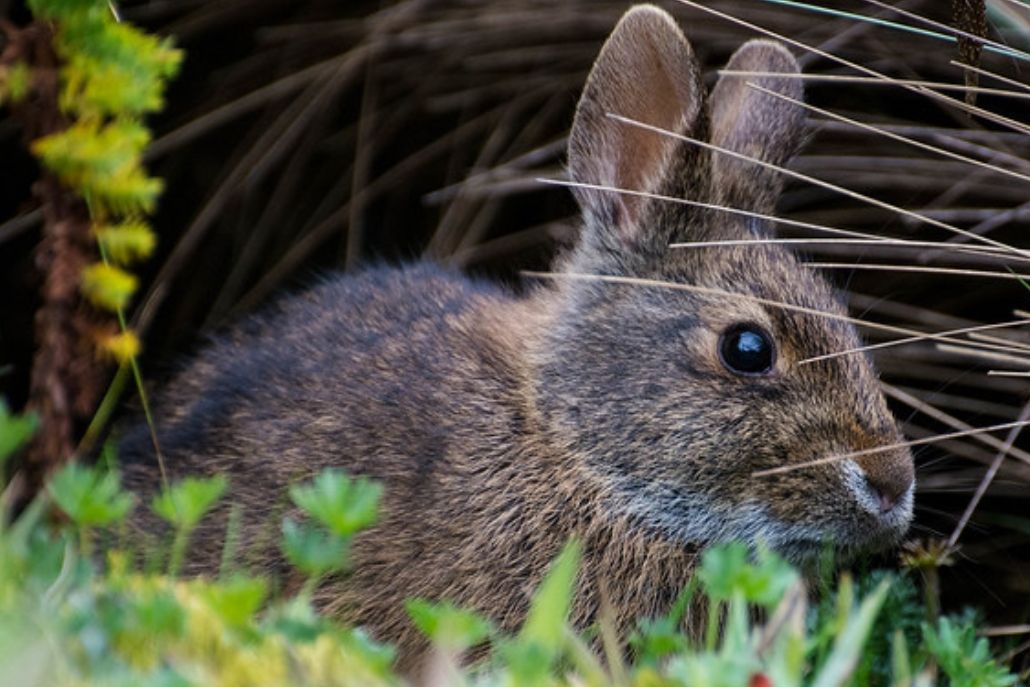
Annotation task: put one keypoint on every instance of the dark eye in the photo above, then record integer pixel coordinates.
(747, 349)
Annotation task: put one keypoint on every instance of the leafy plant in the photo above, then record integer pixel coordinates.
(65, 619)
(342, 507)
(965, 658)
(183, 505)
(15, 430)
(86, 127)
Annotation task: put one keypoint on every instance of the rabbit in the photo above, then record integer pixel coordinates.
(626, 415)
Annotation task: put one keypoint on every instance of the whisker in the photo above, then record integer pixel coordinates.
(1017, 345)
(711, 291)
(945, 335)
(1001, 47)
(980, 352)
(818, 182)
(873, 81)
(986, 114)
(993, 75)
(950, 420)
(1005, 630)
(888, 447)
(953, 271)
(863, 240)
(891, 135)
(1007, 373)
(898, 26)
(959, 402)
(920, 527)
(1010, 440)
(736, 211)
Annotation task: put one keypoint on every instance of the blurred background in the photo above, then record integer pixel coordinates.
(303, 136)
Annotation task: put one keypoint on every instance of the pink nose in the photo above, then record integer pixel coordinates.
(889, 478)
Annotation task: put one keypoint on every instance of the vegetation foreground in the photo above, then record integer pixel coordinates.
(67, 619)
(80, 604)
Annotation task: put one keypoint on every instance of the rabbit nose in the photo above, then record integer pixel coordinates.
(888, 476)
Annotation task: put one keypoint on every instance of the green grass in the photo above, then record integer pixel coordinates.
(73, 612)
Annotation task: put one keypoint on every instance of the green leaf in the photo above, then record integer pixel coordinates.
(726, 571)
(343, 505)
(847, 648)
(713, 670)
(15, 430)
(964, 657)
(447, 625)
(14, 82)
(107, 286)
(901, 664)
(155, 613)
(185, 503)
(313, 551)
(237, 599)
(656, 638)
(549, 609)
(103, 162)
(127, 242)
(89, 496)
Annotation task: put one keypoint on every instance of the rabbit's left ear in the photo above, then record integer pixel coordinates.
(647, 72)
(748, 121)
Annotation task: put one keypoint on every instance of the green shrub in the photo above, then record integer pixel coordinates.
(71, 618)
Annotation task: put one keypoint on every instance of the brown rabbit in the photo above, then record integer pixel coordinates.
(630, 416)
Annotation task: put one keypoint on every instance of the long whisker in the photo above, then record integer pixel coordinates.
(1016, 345)
(990, 45)
(950, 420)
(861, 238)
(873, 81)
(910, 339)
(727, 209)
(888, 447)
(1001, 47)
(999, 119)
(891, 135)
(988, 478)
(711, 291)
(1007, 373)
(959, 402)
(980, 352)
(817, 182)
(984, 72)
(954, 271)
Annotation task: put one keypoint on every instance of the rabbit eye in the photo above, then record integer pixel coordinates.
(747, 349)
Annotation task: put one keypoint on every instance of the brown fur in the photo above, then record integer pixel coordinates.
(502, 427)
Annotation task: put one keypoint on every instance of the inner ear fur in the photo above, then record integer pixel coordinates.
(755, 124)
(646, 71)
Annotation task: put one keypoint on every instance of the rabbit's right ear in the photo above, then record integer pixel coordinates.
(647, 72)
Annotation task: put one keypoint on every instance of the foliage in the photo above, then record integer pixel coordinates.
(67, 619)
(89, 496)
(15, 431)
(111, 75)
(964, 657)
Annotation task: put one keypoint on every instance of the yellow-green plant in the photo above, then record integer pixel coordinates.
(92, 80)
(112, 74)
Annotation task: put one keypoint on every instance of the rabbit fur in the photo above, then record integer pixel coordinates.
(504, 425)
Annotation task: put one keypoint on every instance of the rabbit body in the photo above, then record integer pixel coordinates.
(606, 405)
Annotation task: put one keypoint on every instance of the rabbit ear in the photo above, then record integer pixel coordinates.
(646, 71)
(755, 124)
